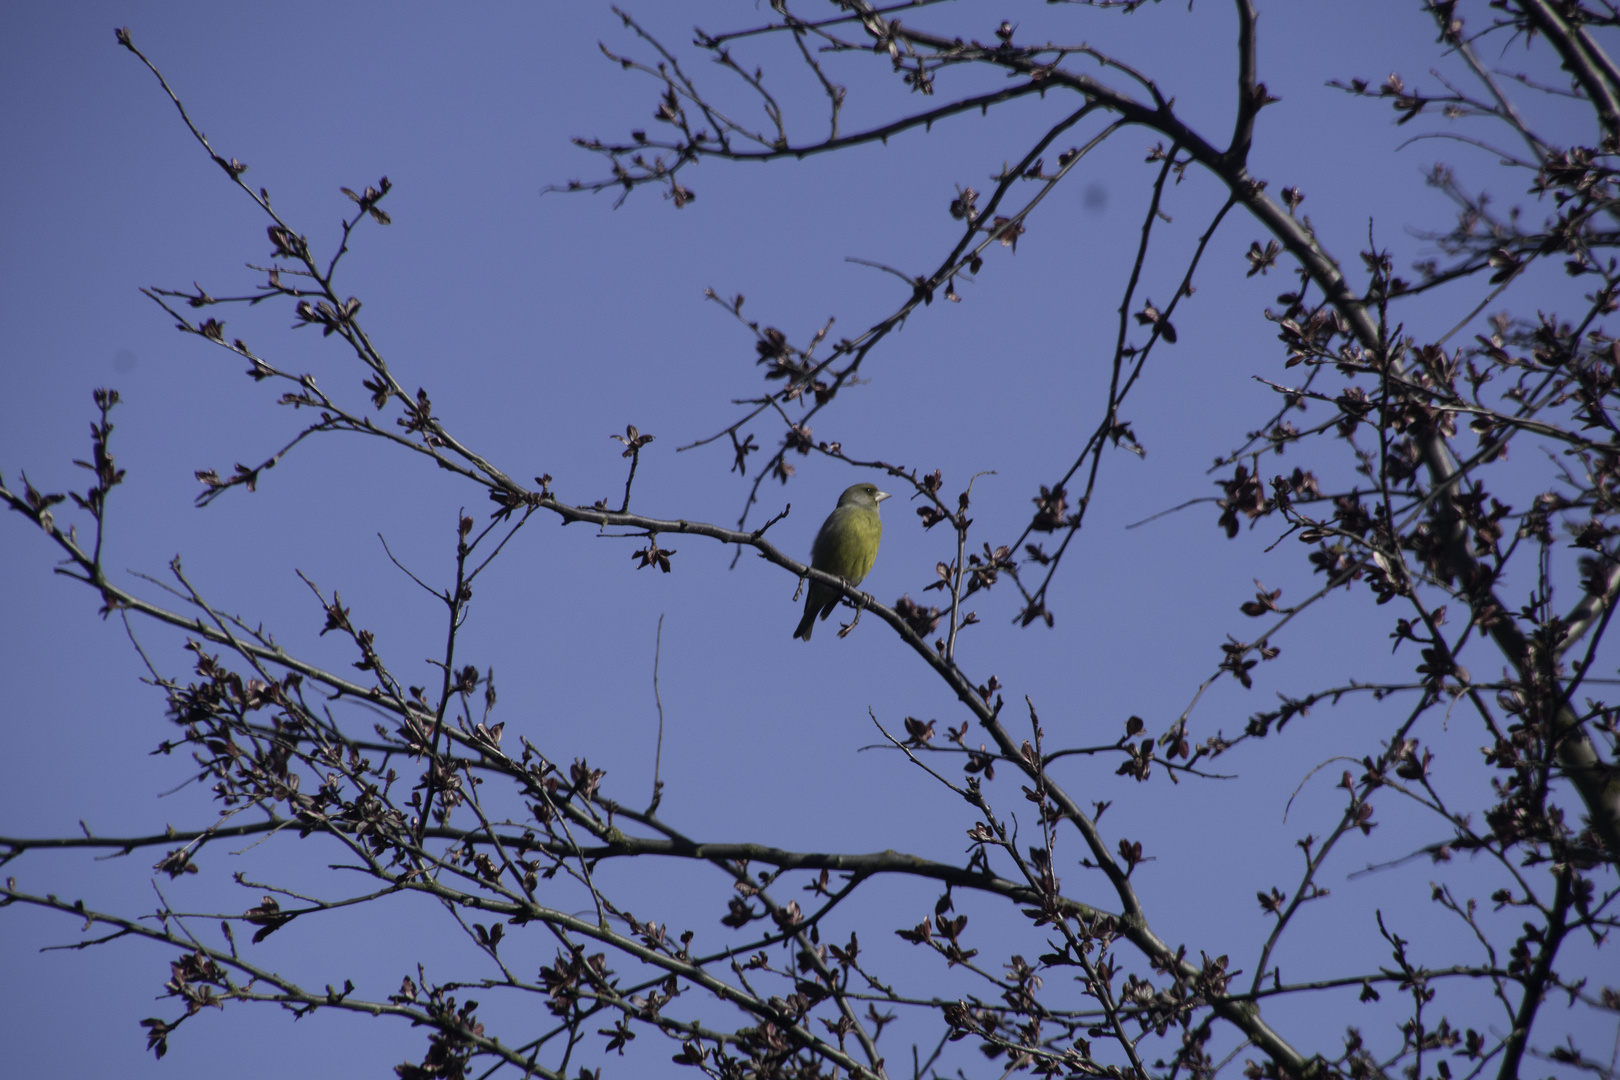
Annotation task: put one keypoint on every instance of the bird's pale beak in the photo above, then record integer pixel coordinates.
(882, 495)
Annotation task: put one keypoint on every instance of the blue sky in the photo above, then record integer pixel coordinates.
(541, 324)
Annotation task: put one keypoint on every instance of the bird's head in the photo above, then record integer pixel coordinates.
(864, 495)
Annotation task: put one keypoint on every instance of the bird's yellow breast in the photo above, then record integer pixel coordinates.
(847, 544)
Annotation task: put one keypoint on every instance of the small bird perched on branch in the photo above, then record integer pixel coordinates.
(845, 547)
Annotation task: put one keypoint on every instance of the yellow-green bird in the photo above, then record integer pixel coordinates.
(845, 547)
